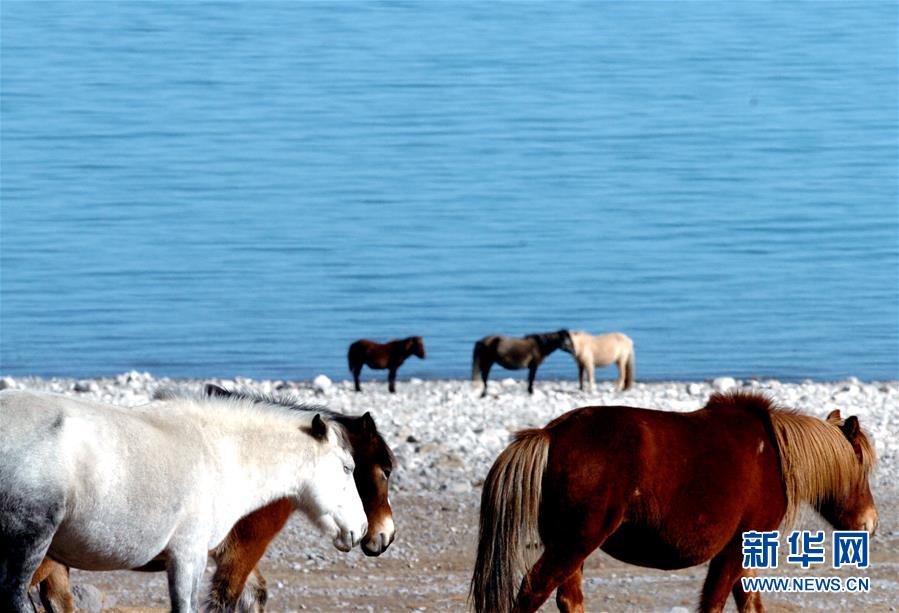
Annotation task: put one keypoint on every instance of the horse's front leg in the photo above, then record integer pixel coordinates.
(570, 596)
(184, 572)
(580, 375)
(357, 370)
(391, 379)
(747, 602)
(724, 571)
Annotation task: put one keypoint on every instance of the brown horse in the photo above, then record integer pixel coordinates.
(378, 356)
(236, 557)
(515, 353)
(663, 490)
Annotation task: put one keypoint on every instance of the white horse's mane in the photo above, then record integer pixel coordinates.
(248, 401)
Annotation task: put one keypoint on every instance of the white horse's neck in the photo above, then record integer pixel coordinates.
(262, 458)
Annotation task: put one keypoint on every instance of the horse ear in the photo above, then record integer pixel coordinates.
(834, 416)
(215, 391)
(319, 428)
(851, 428)
(368, 423)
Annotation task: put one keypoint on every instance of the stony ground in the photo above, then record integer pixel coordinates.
(445, 439)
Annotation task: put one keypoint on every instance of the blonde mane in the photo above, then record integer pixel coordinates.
(818, 463)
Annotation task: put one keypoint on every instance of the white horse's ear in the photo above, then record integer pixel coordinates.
(834, 416)
(215, 391)
(319, 428)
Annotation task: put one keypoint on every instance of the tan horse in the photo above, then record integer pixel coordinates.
(592, 352)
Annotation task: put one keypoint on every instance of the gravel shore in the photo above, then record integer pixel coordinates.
(445, 439)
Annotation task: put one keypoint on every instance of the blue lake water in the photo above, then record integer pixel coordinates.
(205, 189)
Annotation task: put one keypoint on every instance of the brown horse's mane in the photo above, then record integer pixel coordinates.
(817, 461)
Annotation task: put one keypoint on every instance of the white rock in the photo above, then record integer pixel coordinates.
(7, 383)
(694, 389)
(322, 384)
(508, 382)
(722, 384)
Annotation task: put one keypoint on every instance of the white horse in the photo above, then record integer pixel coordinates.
(591, 352)
(100, 487)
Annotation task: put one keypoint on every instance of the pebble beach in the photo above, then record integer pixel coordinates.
(445, 438)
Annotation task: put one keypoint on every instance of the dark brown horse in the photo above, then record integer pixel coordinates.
(236, 557)
(663, 490)
(515, 353)
(378, 356)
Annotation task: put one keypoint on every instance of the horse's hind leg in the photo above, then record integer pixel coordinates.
(724, 571)
(747, 602)
(486, 364)
(391, 380)
(532, 374)
(551, 570)
(55, 590)
(622, 372)
(357, 370)
(26, 535)
(184, 572)
(569, 596)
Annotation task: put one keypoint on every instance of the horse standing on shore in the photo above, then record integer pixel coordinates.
(378, 356)
(101, 487)
(515, 353)
(662, 490)
(591, 352)
(237, 584)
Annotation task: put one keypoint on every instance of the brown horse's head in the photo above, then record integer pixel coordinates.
(853, 507)
(374, 463)
(415, 345)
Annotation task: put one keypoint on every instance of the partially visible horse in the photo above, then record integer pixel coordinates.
(515, 353)
(236, 584)
(101, 487)
(378, 356)
(591, 352)
(662, 490)
(55, 591)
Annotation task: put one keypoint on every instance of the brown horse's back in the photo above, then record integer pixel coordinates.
(660, 476)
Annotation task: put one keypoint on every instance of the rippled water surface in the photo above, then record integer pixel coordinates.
(203, 189)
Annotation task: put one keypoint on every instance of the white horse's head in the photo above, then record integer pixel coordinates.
(332, 499)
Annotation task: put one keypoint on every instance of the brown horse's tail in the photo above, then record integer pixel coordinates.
(510, 506)
(629, 374)
(476, 361)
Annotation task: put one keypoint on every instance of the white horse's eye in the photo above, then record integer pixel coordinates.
(347, 469)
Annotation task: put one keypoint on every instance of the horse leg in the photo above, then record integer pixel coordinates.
(357, 370)
(747, 602)
(184, 573)
(724, 570)
(569, 596)
(486, 364)
(532, 374)
(622, 371)
(26, 531)
(551, 570)
(391, 380)
(580, 375)
(590, 367)
(55, 590)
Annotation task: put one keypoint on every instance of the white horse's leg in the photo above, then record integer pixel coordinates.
(591, 373)
(622, 371)
(184, 573)
(580, 374)
(26, 530)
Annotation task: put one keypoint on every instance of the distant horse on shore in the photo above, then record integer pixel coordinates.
(378, 356)
(515, 353)
(237, 585)
(591, 352)
(662, 490)
(195, 464)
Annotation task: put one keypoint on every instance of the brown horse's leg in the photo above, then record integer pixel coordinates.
(747, 602)
(724, 570)
(241, 551)
(486, 364)
(56, 593)
(391, 380)
(548, 573)
(569, 596)
(357, 370)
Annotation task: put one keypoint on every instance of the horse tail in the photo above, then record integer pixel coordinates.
(349, 357)
(476, 361)
(629, 374)
(510, 506)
